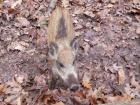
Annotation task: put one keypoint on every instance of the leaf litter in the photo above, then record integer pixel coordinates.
(107, 59)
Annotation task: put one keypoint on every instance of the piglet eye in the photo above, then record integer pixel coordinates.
(60, 65)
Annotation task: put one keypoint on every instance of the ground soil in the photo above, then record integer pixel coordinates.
(109, 33)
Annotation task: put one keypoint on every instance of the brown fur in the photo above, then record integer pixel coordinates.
(60, 37)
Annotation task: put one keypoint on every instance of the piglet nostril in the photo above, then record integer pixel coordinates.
(74, 87)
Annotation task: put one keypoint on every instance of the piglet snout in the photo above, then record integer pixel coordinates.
(73, 83)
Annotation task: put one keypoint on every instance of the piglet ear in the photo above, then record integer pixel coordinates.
(53, 49)
(74, 44)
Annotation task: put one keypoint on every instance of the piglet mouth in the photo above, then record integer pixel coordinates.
(73, 83)
(64, 77)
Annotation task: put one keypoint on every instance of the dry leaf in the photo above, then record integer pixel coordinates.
(59, 103)
(110, 5)
(19, 78)
(86, 81)
(2, 88)
(125, 97)
(97, 29)
(137, 17)
(23, 21)
(113, 1)
(15, 3)
(21, 46)
(135, 83)
(15, 93)
(80, 94)
(95, 95)
(131, 91)
(1, 1)
(87, 85)
(121, 75)
(86, 48)
(79, 10)
(65, 3)
(136, 1)
(89, 13)
(138, 30)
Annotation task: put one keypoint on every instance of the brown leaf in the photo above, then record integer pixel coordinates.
(95, 95)
(86, 48)
(113, 1)
(40, 80)
(15, 3)
(131, 91)
(21, 46)
(11, 10)
(121, 75)
(23, 21)
(65, 3)
(125, 97)
(86, 81)
(59, 103)
(15, 92)
(87, 85)
(136, 1)
(97, 29)
(135, 83)
(2, 87)
(1, 1)
(137, 18)
(80, 94)
(89, 13)
(138, 30)
(110, 5)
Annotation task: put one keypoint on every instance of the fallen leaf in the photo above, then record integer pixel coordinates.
(137, 18)
(131, 91)
(59, 103)
(23, 21)
(15, 3)
(21, 46)
(15, 93)
(65, 3)
(2, 88)
(89, 13)
(86, 47)
(121, 75)
(1, 1)
(135, 83)
(124, 97)
(136, 1)
(97, 29)
(138, 30)
(11, 11)
(87, 85)
(86, 81)
(40, 80)
(110, 5)
(80, 94)
(95, 95)
(113, 1)
(80, 10)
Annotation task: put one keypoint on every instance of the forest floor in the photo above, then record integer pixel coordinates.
(108, 58)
